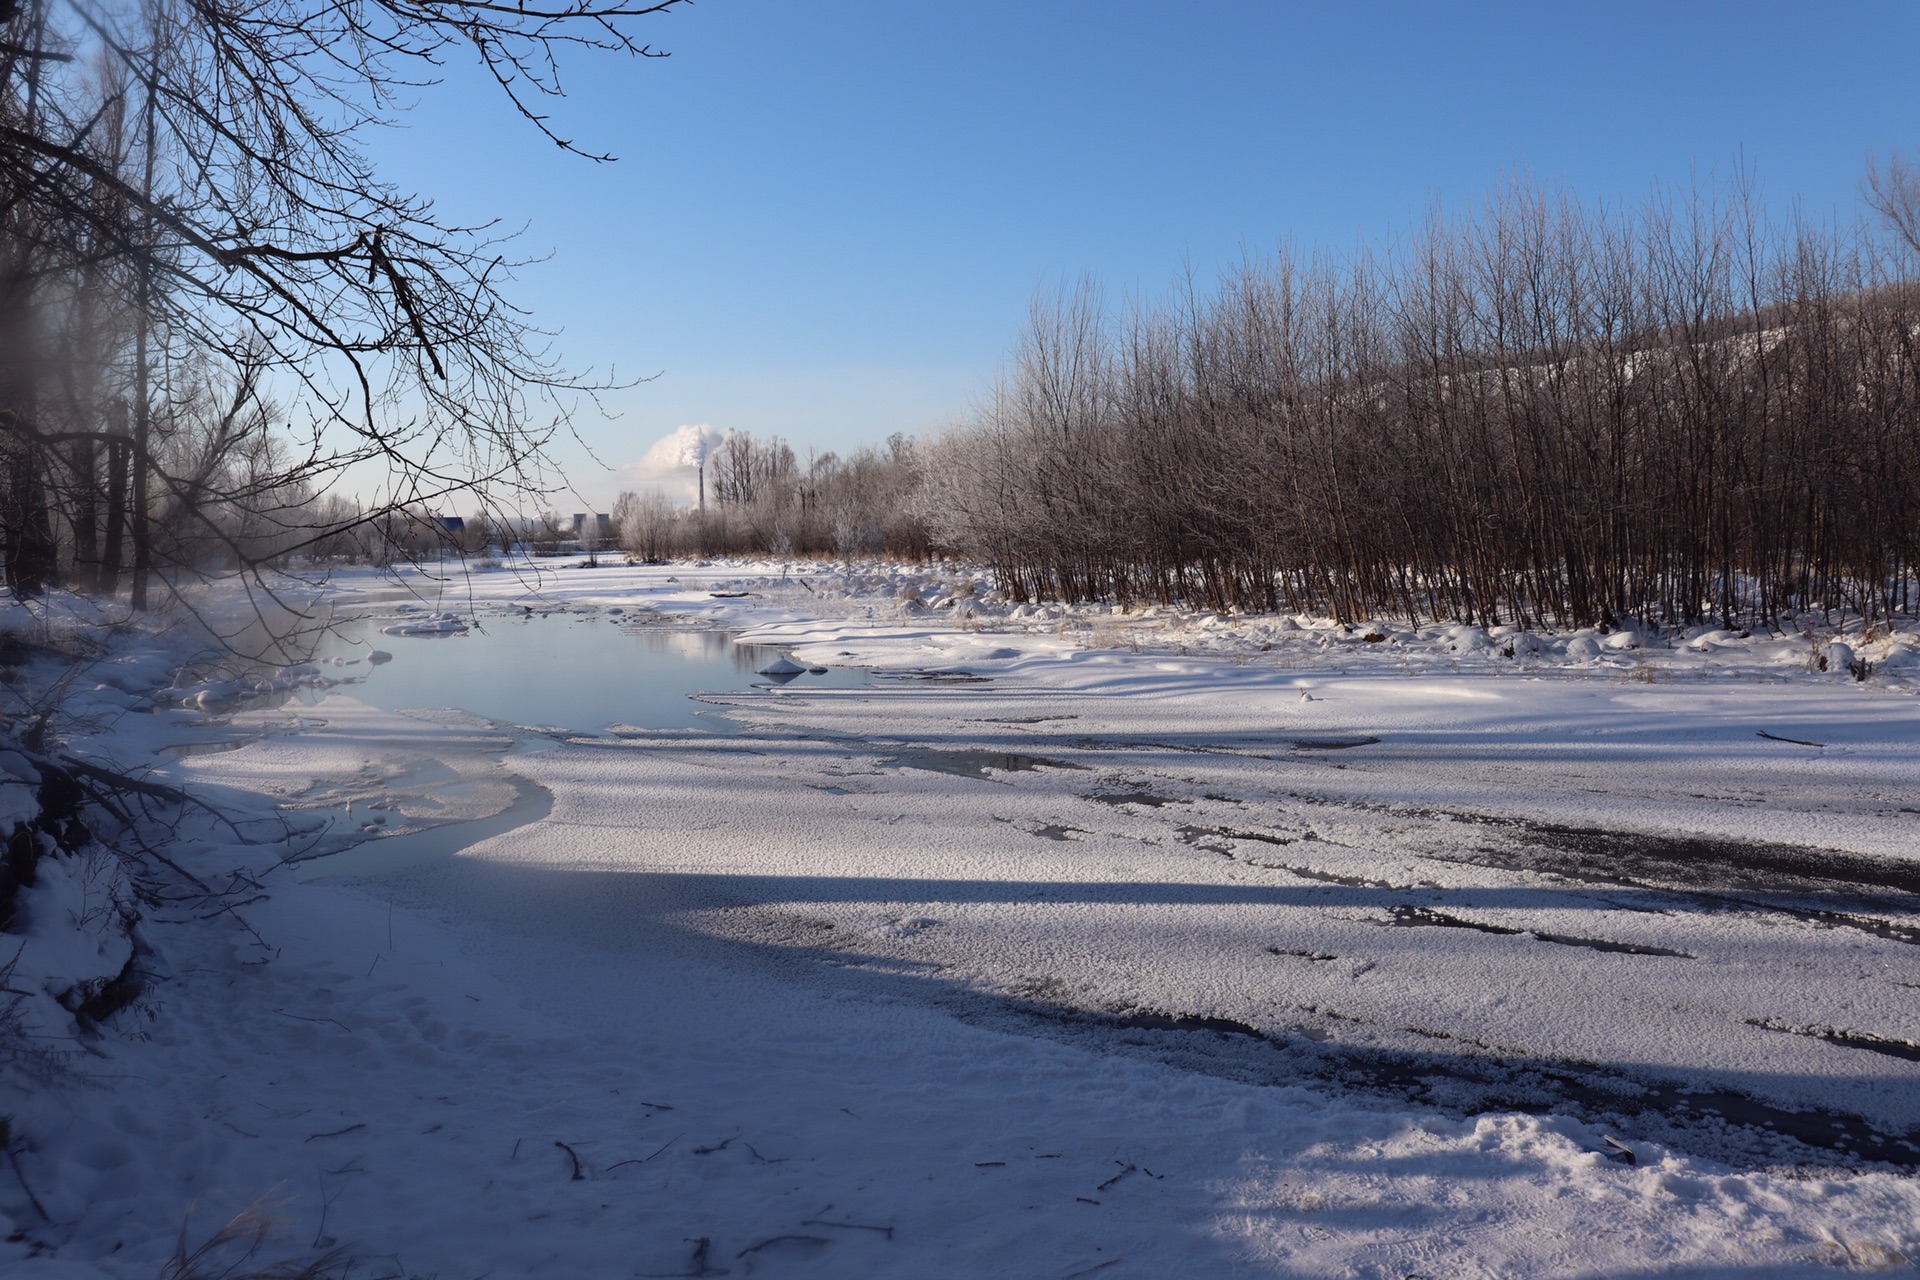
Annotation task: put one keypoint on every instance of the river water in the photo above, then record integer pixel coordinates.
(577, 672)
(573, 673)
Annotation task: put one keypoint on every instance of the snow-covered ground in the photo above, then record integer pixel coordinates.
(1081, 943)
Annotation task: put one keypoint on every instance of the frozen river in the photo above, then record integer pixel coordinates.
(995, 951)
(1236, 897)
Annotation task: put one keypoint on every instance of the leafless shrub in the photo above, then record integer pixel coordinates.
(1542, 414)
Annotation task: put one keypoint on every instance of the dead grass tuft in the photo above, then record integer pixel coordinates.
(233, 1253)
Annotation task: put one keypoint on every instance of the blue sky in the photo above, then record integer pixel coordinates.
(828, 218)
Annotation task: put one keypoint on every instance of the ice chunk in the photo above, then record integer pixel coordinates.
(443, 625)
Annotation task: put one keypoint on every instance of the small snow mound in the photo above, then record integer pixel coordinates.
(215, 697)
(782, 666)
(1582, 649)
(910, 926)
(17, 768)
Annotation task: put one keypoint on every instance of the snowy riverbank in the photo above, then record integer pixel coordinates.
(1082, 942)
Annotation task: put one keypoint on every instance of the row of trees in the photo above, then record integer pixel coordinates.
(214, 315)
(1544, 413)
(763, 500)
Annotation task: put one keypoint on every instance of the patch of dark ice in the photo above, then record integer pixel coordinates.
(1887, 1045)
(1427, 917)
(972, 764)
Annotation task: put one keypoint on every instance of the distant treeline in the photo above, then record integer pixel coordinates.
(760, 499)
(1544, 414)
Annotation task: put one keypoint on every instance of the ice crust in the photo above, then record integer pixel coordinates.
(837, 1009)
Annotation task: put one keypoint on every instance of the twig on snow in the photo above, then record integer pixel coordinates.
(298, 1017)
(320, 1238)
(642, 1160)
(573, 1156)
(20, 1175)
(848, 1226)
(773, 1240)
(1798, 742)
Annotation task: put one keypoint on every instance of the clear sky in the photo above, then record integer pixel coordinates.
(827, 218)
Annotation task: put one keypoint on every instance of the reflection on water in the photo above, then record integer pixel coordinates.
(578, 672)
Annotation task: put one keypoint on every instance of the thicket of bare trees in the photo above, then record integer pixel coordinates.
(214, 315)
(762, 500)
(1543, 414)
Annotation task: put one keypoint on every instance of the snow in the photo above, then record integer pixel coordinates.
(1085, 942)
(445, 624)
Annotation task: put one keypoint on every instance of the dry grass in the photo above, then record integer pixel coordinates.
(233, 1253)
(1113, 635)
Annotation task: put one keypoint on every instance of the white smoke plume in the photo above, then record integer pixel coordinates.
(671, 464)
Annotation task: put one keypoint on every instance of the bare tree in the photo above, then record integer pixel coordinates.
(1541, 414)
(209, 178)
(1895, 193)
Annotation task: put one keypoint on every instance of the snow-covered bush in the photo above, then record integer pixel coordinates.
(1582, 648)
